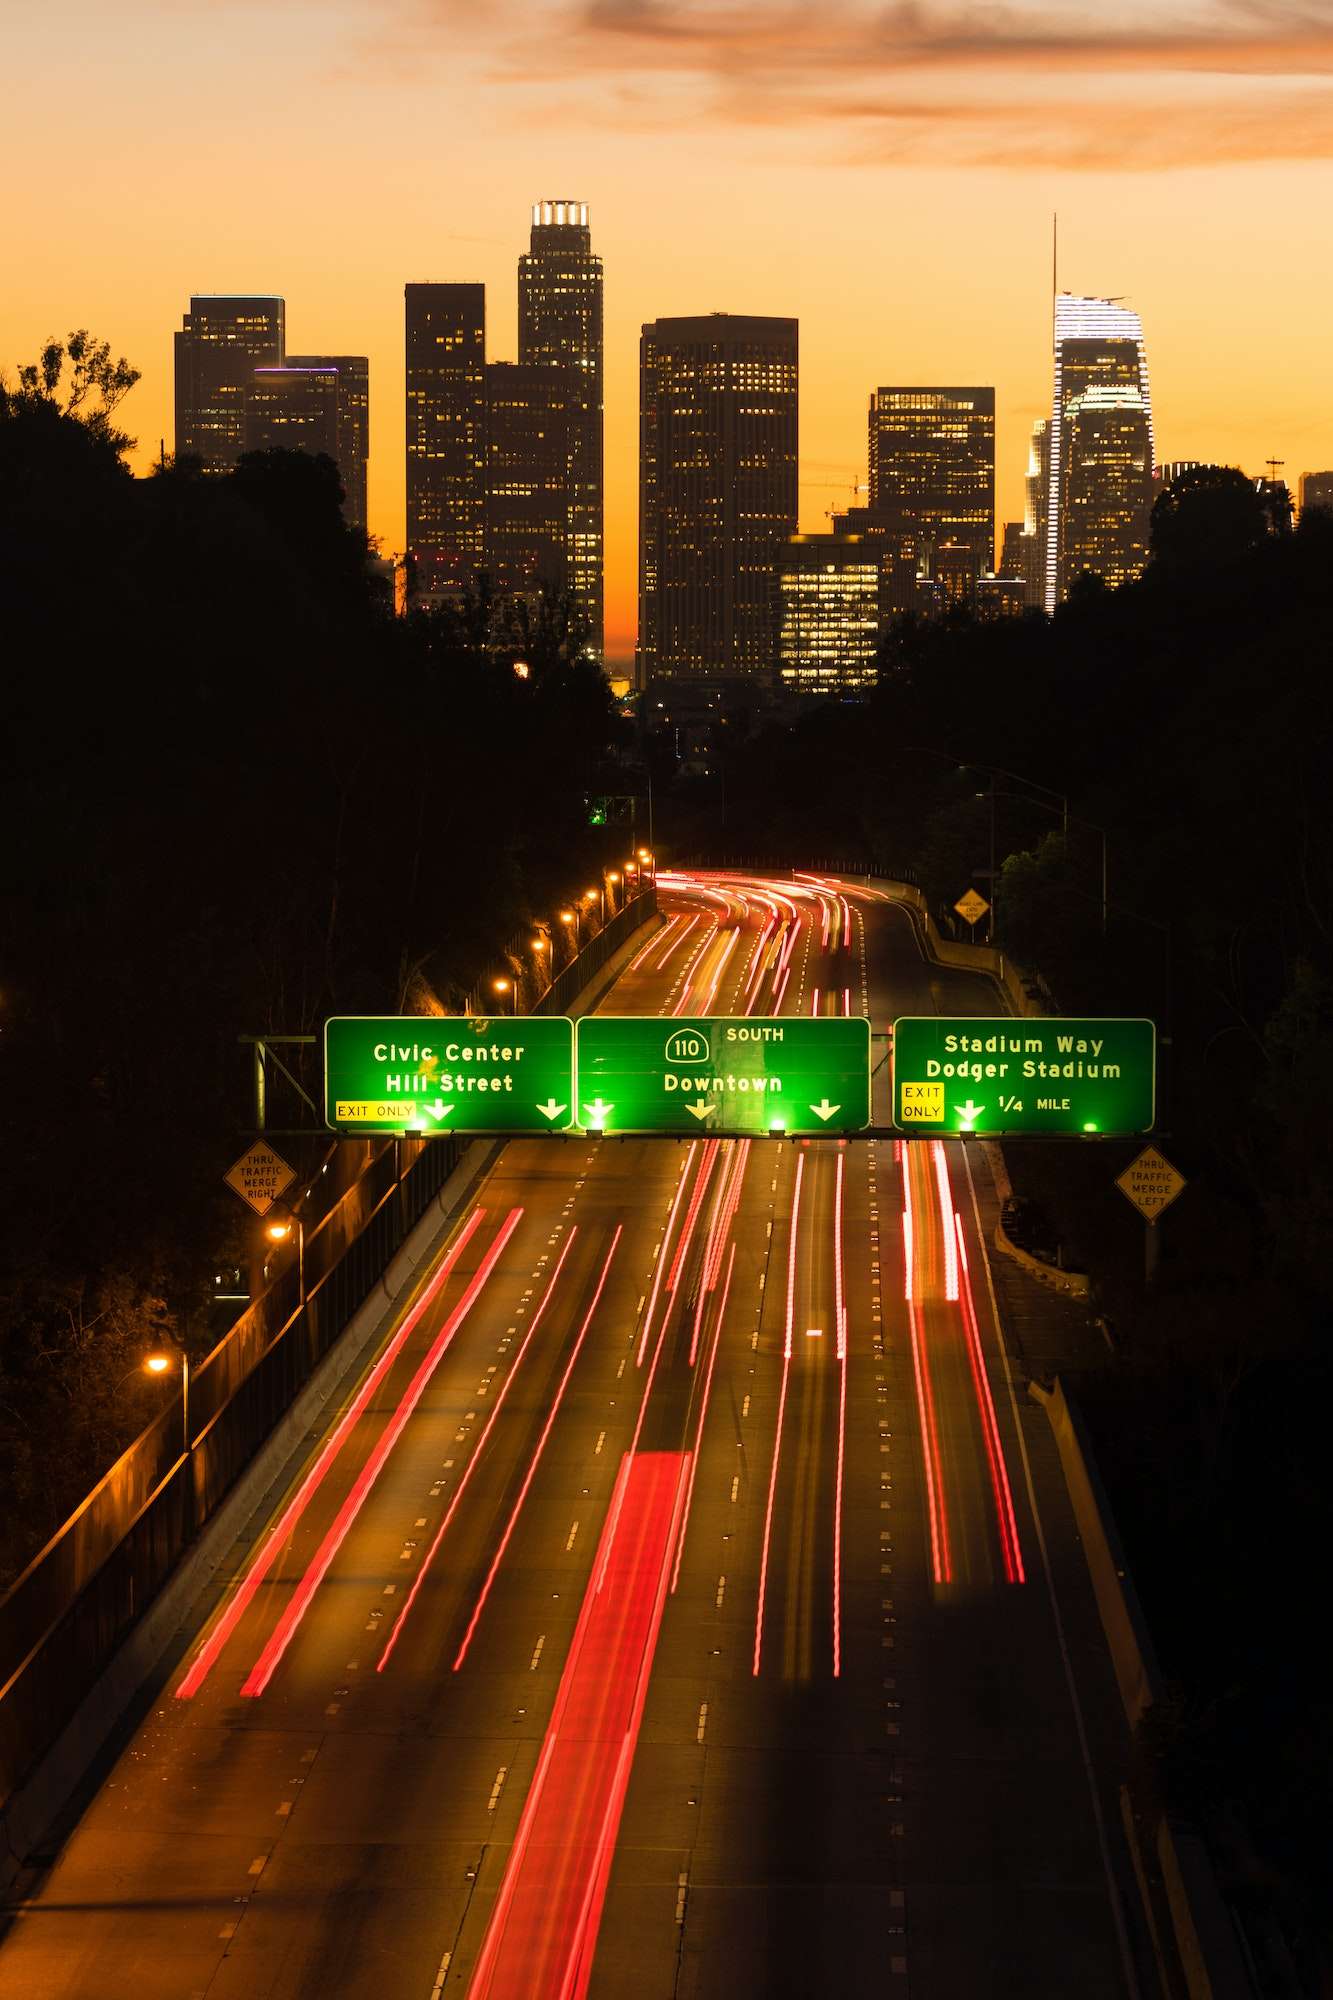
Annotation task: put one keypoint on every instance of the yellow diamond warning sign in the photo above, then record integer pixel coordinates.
(1151, 1183)
(971, 907)
(259, 1177)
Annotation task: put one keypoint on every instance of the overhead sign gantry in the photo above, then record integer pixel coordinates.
(622, 1074)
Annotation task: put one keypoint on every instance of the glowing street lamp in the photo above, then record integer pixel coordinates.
(278, 1227)
(503, 986)
(522, 671)
(161, 1362)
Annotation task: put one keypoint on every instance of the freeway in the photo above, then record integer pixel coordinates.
(662, 1612)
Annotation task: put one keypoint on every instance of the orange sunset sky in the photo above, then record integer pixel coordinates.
(885, 173)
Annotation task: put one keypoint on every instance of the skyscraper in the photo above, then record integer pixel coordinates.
(1098, 345)
(353, 424)
(718, 420)
(528, 450)
(1316, 490)
(1021, 561)
(224, 337)
(932, 468)
(828, 595)
(446, 435)
(292, 409)
(897, 543)
(560, 328)
(1107, 485)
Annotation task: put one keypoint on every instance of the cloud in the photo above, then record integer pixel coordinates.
(1034, 84)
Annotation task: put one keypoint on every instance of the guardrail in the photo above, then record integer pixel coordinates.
(66, 1616)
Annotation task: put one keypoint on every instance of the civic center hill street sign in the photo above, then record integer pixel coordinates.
(424, 1073)
(723, 1073)
(1047, 1076)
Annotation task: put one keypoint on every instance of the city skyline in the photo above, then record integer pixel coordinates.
(1175, 181)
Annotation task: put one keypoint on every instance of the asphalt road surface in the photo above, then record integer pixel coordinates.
(663, 1611)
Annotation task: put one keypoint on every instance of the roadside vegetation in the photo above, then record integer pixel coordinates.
(1190, 716)
(236, 794)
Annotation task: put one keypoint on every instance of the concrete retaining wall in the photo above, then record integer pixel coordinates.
(1207, 1949)
(1132, 1655)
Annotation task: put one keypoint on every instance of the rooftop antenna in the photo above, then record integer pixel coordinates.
(1273, 465)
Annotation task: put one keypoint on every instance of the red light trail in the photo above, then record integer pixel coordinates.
(1004, 1499)
(529, 1476)
(782, 1405)
(266, 1665)
(930, 1444)
(703, 1411)
(206, 1657)
(543, 1929)
(475, 1460)
(662, 1253)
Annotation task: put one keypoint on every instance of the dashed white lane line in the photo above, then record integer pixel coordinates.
(536, 1654)
(497, 1787)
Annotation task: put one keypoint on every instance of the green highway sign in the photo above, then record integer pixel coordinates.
(1042, 1076)
(731, 1074)
(423, 1073)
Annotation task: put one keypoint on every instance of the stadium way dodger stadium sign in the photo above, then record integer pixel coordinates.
(1095, 1077)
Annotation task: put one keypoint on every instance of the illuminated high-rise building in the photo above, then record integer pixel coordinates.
(1021, 562)
(528, 450)
(315, 403)
(828, 600)
(932, 470)
(1107, 485)
(1098, 346)
(898, 549)
(446, 436)
(292, 409)
(560, 328)
(1316, 490)
(718, 420)
(224, 337)
(353, 371)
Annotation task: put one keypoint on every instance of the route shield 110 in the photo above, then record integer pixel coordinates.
(420, 1073)
(1052, 1076)
(728, 1074)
